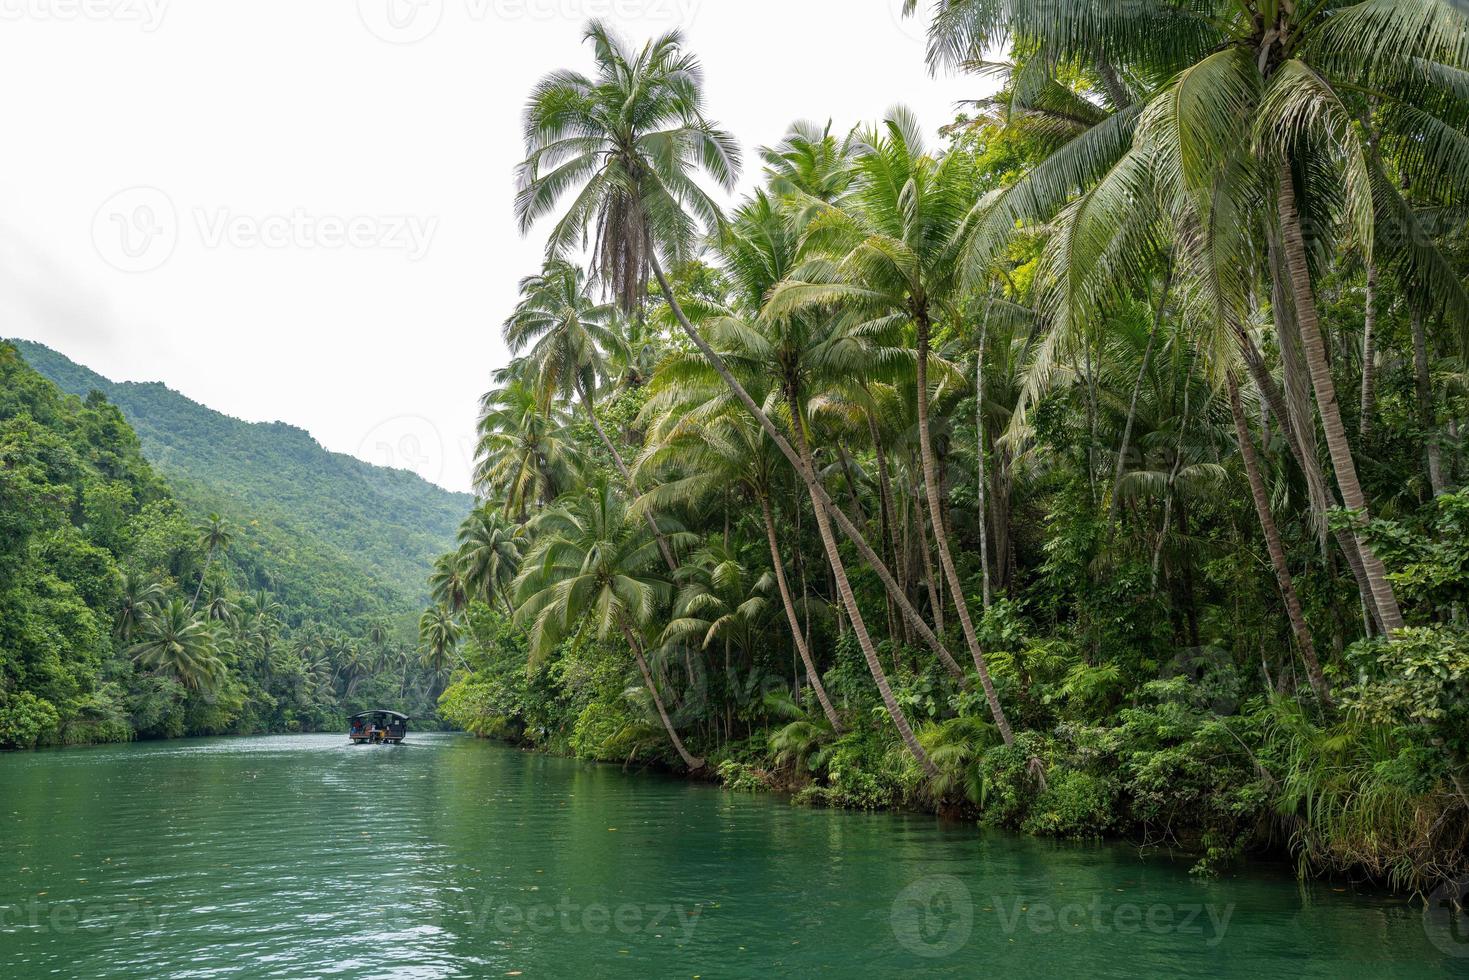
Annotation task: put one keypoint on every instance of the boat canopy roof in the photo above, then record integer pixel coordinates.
(380, 711)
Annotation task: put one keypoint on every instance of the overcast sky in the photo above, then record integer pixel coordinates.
(301, 209)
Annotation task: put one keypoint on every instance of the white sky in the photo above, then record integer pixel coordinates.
(323, 233)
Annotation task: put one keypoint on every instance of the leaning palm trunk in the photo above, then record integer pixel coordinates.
(1276, 548)
(941, 537)
(1314, 348)
(202, 576)
(797, 636)
(849, 601)
(1309, 465)
(807, 473)
(627, 479)
(693, 762)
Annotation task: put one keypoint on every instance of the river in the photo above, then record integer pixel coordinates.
(301, 856)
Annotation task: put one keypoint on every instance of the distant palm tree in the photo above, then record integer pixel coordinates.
(592, 563)
(489, 555)
(141, 595)
(524, 455)
(447, 583)
(438, 635)
(215, 536)
(176, 642)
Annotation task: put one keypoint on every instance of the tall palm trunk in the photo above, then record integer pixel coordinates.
(885, 510)
(1423, 386)
(208, 558)
(693, 762)
(1369, 356)
(930, 580)
(849, 602)
(941, 536)
(1309, 465)
(807, 473)
(982, 481)
(586, 402)
(797, 636)
(1314, 349)
(1274, 545)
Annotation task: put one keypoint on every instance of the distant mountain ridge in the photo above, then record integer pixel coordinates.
(390, 524)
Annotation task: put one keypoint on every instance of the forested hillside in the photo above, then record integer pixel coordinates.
(126, 613)
(369, 529)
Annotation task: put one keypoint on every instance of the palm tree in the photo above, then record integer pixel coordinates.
(591, 563)
(631, 139)
(1254, 120)
(141, 596)
(523, 455)
(447, 583)
(489, 555)
(889, 249)
(568, 334)
(713, 455)
(177, 643)
(438, 635)
(215, 536)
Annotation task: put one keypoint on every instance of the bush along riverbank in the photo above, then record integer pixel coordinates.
(1190, 762)
(1089, 466)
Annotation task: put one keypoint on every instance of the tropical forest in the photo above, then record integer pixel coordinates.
(1089, 468)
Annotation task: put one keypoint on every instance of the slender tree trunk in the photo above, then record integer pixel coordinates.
(982, 476)
(694, 763)
(1137, 387)
(1336, 437)
(889, 532)
(1274, 545)
(1369, 356)
(941, 536)
(849, 601)
(790, 607)
(208, 558)
(1426, 421)
(930, 580)
(807, 473)
(1309, 465)
(632, 487)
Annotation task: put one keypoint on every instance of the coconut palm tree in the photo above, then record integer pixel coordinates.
(215, 536)
(708, 456)
(175, 642)
(141, 596)
(890, 249)
(1244, 116)
(524, 455)
(568, 334)
(592, 564)
(438, 636)
(489, 555)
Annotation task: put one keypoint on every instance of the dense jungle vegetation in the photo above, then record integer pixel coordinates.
(1093, 468)
(124, 614)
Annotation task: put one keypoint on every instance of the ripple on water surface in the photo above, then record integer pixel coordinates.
(292, 856)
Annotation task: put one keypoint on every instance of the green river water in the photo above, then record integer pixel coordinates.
(301, 856)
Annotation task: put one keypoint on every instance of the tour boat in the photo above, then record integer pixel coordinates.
(379, 727)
